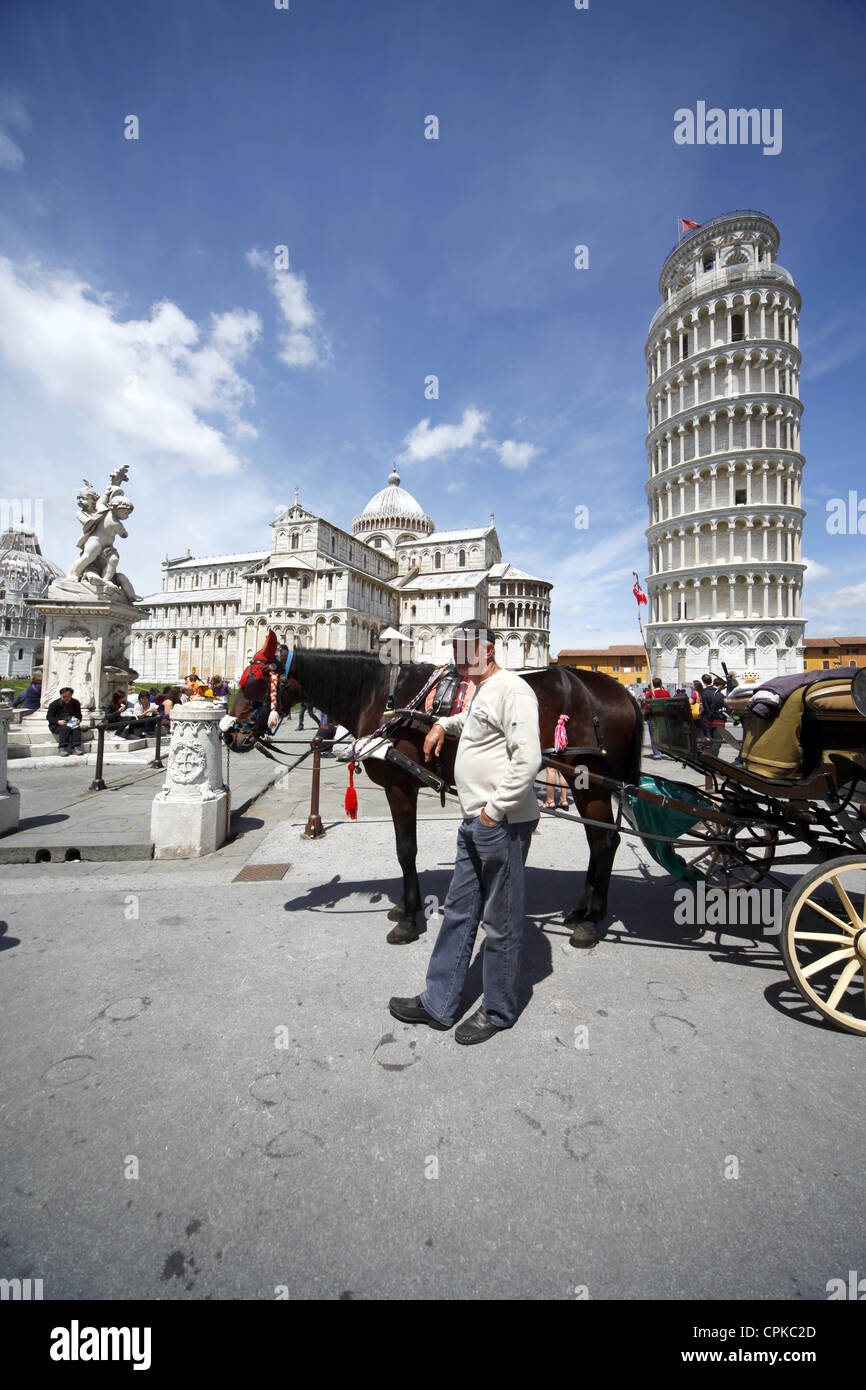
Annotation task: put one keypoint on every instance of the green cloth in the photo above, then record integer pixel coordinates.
(652, 819)
(773, 747)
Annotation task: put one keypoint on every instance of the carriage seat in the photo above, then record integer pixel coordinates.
(775, 741)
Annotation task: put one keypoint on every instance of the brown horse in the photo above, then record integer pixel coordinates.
(605, 732)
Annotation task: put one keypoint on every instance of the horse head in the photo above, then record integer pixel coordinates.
(247, 722)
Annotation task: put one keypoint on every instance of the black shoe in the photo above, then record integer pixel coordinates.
(411, 1011)
(477, 1028)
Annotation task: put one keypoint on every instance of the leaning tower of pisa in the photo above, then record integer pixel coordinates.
(725, 469)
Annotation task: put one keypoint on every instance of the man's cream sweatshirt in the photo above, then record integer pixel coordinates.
(499, 753)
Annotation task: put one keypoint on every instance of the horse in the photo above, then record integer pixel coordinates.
(605, 733)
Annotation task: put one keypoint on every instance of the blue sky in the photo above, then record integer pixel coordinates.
(141, 321)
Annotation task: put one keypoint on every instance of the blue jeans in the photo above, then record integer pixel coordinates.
(487, 887)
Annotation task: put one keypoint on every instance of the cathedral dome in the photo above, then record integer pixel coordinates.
(392, 509)
(23, 567)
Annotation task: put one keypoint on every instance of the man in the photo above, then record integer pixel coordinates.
(498, 759)
(655, 691)
(64, 720)
(713, 705)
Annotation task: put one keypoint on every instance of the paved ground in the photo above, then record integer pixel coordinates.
(230, 1043)
(59, 811)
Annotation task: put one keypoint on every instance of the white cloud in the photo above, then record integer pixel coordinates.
(305, 344)
(148, 382)
(12, 115)
(516, 456)
(814, 569)
(852, 596)
(423, 443)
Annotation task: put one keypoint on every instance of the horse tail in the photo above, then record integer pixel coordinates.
(633, 770)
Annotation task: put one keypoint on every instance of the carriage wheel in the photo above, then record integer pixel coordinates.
(741, 860)
(824, 940)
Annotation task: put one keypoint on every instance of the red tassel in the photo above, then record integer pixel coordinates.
(351, 796)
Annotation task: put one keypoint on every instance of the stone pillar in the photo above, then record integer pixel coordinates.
(9, 797)
(190, 815)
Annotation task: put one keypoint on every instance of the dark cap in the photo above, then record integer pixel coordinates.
(473, 633)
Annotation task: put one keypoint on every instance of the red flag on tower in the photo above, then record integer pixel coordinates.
(638, 592)
(688, 225)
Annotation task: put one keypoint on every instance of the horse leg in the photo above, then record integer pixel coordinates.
(591, 910)
(403, 802)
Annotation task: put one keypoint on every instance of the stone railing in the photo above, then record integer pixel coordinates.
(713, 280)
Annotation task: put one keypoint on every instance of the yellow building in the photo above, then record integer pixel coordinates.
(825, 653)
(626, 664)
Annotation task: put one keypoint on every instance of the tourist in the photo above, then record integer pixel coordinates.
(171, 698)
(655, 691)
(146, 714)
(117, 715)
(31, 698)
(327, 733)
(64, 720)
(713, 721)
(555, 779)
(498, 760)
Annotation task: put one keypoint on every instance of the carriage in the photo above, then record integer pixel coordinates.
(739, 834)
(747, 827)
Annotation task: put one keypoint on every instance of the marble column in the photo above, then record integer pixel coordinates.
(10, 799)
(190, 815)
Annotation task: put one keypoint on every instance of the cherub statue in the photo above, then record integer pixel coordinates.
(101, 520)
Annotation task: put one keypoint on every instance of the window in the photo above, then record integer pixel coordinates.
(173, 643)
(461, 558)
(437, 560)
(333, 544)
(195, 643)
(296, 540)
(149, 643)
(684, 346)
(760, 253)
(328, 602)
(414, 610)
(305, 583)
(377, 543)
(20, 653)
(330, 581)
(219, 641)
(709, 261)
(738, 331)
(740, 497)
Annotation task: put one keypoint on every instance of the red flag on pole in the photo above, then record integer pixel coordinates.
(638, 592)
(688, 225)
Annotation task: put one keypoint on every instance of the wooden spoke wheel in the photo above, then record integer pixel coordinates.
(735, 858)
(824, 940)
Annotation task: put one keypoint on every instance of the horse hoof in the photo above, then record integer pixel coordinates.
(583, 935)
(401, 935)
(396, 913)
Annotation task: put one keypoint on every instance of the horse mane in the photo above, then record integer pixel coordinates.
(333, 679)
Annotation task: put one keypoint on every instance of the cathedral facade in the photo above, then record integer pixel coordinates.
(392, 579)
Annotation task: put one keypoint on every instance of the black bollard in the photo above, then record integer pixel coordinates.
(314, 827)
(157, 752)
(97, 785)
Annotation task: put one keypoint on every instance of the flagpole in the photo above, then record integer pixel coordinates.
(642, 633)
